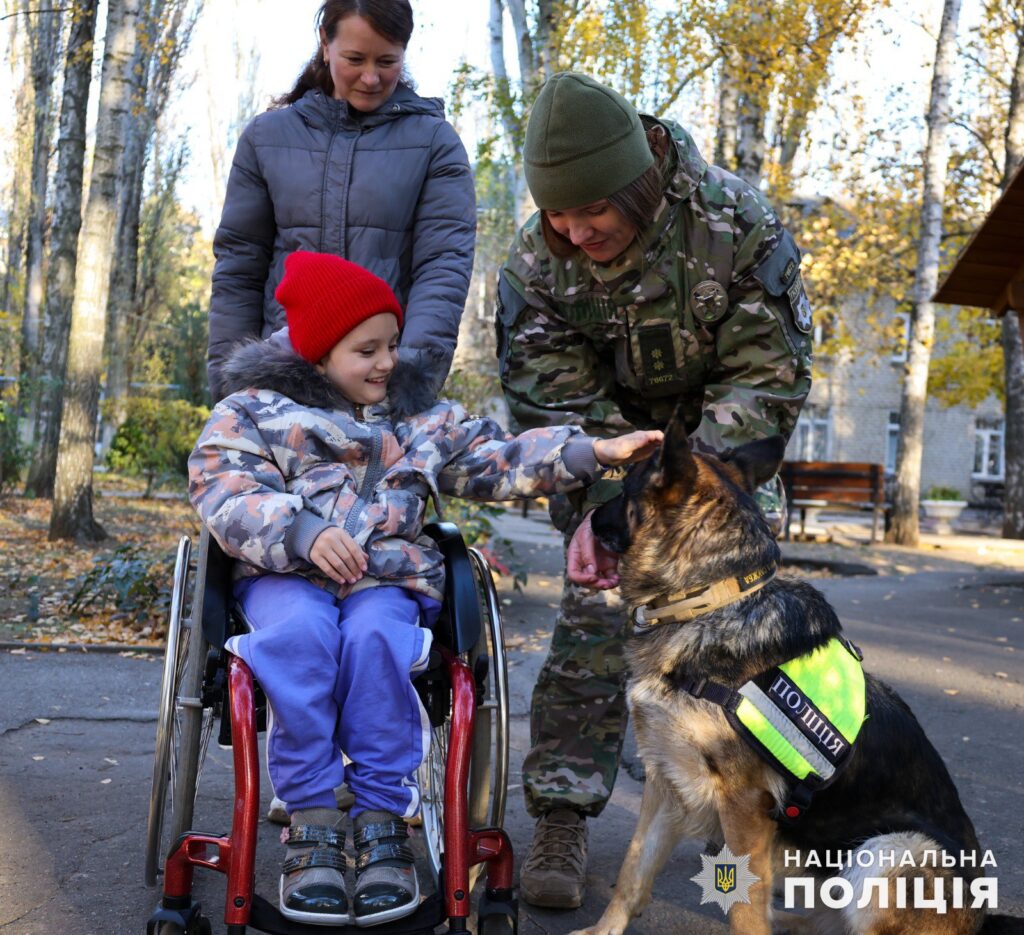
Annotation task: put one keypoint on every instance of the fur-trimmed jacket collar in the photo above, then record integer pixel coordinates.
(273, 365)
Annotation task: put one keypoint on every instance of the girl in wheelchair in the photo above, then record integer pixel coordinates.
(317, 479)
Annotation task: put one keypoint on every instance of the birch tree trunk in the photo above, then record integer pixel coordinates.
(728, 114)
(64, 229)
(905, 529)
(513, 122)
(11, 292)
(163, 38)
(750, 142)
(1013, 348)
(44, 33)
(72, 516)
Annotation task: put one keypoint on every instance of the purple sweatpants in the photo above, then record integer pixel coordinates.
(338, 676)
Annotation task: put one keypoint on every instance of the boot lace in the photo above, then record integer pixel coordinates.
(558, 843)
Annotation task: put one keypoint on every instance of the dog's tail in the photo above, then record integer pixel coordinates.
(1002, 925)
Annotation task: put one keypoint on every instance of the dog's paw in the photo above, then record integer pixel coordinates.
(598, 929)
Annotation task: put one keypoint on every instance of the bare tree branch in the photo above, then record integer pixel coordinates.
(58, 9)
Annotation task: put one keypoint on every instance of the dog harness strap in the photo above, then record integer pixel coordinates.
(796, 803)
(707, 690)
(688, 605)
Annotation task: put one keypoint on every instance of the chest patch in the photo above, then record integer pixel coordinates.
(709, 300)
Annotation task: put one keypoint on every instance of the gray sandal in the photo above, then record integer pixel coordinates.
(312, 885)
(386, 884)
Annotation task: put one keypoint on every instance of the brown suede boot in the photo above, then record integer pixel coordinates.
(554, 873)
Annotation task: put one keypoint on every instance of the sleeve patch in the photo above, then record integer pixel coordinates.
(800, 305)
(781, 268)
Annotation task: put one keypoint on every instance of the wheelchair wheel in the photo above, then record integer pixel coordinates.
(183, 724)
(488, 770)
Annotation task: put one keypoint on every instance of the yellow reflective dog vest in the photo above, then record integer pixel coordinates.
(802, 717)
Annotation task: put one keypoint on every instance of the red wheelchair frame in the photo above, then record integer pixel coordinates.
(235, 853)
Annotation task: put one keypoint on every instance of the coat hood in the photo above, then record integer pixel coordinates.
(272, 365)
(686, 165)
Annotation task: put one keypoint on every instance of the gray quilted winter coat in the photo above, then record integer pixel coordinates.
(390, 190)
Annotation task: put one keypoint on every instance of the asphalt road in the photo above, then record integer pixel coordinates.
(76, 740)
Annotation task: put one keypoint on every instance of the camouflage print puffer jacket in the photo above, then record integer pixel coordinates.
(278, 464)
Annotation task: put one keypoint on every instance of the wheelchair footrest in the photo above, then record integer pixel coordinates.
(266, 917)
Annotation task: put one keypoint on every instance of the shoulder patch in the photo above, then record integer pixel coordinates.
(780, 269)
(800, 305)
(510, 302)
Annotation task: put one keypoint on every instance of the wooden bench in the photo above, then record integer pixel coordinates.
(844, 485)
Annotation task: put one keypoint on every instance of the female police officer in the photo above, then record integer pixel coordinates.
(648, 279)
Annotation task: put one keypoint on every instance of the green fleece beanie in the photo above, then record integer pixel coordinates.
(584, 142)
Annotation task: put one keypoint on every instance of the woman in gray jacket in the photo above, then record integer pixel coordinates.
(353, 162)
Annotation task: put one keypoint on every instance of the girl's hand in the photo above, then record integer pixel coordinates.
(338, 556)
(611, 452)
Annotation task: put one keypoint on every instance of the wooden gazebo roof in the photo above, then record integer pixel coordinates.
(989, 273)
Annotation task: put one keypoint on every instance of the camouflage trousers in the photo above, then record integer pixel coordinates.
(578, 712)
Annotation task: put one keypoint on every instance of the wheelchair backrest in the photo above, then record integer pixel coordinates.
(458, 626)
(213, 574)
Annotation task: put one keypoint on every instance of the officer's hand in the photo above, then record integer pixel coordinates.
(338, 556)
(589, 563)
(626, 449)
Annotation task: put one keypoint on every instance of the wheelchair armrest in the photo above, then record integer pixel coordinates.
(458, 626)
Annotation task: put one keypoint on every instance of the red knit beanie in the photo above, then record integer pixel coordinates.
(325, 297)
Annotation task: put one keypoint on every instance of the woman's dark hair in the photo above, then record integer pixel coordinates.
(391, 18)
(637, 201)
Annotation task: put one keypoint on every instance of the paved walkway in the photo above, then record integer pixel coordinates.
(945, 626)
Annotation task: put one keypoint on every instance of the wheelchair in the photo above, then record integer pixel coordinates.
(463, 779)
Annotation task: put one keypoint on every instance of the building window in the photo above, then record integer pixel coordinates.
(812, 440)
(892, 442)
(899, 354)
(989, 453)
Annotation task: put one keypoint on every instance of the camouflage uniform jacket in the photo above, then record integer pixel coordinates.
(276, 466)
(706, 309)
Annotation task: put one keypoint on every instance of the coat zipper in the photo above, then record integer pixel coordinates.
(370, 478)
(323, 185)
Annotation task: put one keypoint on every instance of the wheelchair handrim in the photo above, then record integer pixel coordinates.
(164, 730)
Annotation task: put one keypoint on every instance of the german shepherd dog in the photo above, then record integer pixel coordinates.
(685, 521)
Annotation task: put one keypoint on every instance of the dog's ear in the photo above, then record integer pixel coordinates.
(758, 461)
(677, 468)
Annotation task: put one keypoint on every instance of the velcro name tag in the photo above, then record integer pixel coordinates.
(589, 309)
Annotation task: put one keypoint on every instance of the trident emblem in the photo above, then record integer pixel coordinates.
(725, 877)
